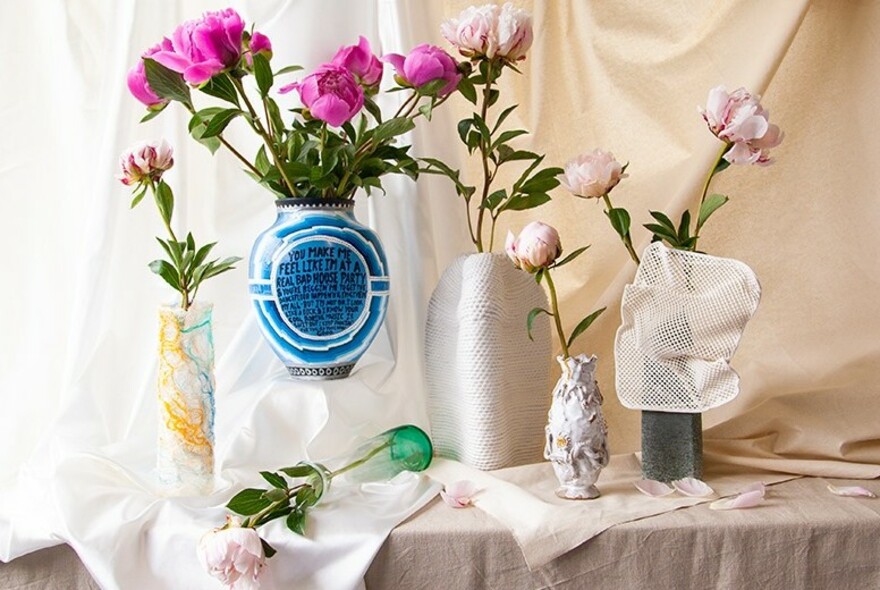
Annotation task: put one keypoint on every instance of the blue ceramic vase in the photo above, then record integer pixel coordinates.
(319, 283)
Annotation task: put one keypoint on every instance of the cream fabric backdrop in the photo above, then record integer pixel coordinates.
(78, 300)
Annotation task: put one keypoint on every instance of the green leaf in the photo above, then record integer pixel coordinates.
(263, 74)
(504, 114)
(153, 113)
(663, 219)
(276, 119)
(138, 197)
(166, 83)
(167, 272)
(431, 88)
(721, 166)
(662, 232)
(268, 550)
(463, 127)
(507, 136)
(523, 202)
(262, 162)
(165, 201)
(427, 110)
(494, 95)
(373, 109)
(467, 90)
(274, 479)
(570, 257)
(215, 268)
(220, 86)
(298, 471)
(287, 70)
(540, 184)
(392, 128)
(218, 122)
(531, 319)
(620, 221)
(585, 323)
(275, 495)
(173, 254)
(684, 228)
(190, 243)
(510, 155)
(495, 199)
(248, 502)
(203, 252)
(539, 275)
(710, 205)
(296, 521)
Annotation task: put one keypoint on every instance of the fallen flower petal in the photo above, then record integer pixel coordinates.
(693, 487)
(459, 494)
(744, 500)
(758, 486)
(652, 488)
(852, 491)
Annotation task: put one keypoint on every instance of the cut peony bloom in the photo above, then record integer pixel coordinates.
(744, 500)
(537, 246)
(739, 119)
(331, 94)
(425, 64)
(592, 175)
(145, 161)
(491, 31)
(459, 494)
(653, 488)
(360, 61)
(692, 487)
(851, 491)
(234, 555)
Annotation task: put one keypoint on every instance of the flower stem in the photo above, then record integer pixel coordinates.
(261, 131)
(231, 149)
(705, 191)
(627, 239)
(484, 156)
(554, 306)
(361, 461)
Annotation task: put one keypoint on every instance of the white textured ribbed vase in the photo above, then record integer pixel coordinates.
(487, 380)
(576, 441)
(185, 461)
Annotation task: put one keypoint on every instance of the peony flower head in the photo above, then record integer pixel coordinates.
(459, 494)
(738, 118)
(425, 64)
(140, 87)
(537, 246)
(491, 31)
(360, 61)
(233, 554)
(146, 161)
(592, 175)
(331, 94)
(260, 43)
(200, 49)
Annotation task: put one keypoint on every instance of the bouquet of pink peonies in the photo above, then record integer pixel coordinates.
(330, 148)
(736, 118)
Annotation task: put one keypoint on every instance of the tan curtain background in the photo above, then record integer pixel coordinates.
(628, 77)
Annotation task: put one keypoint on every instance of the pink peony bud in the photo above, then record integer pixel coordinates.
(331, 94)
(739, 119)
(537, 247)
(234, 555)
(491, 31)
(360, 61)
(425, 64)
(138, 85)
(202, 48)
(145, 161)
(592, 175)
(260, 43)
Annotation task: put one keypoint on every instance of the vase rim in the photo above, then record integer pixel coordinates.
(314, 203)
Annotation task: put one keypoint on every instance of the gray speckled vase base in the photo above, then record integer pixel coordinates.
(672, 446)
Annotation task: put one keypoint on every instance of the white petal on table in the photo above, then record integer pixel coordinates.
(653, 488)
(744, 500)
(693, 487)
(851, 491)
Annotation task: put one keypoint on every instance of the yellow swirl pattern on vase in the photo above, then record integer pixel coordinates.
(186, 399)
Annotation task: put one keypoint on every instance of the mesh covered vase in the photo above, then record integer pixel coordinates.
(487, 381)
(683, 317)
(185, 461)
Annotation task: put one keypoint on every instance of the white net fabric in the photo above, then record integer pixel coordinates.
(682, 320)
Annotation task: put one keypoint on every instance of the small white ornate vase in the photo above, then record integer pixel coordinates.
(185, 461)
(576, 430)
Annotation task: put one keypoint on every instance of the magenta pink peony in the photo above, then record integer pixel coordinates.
(200, 49)
(592, 175)
(360, 61)
(260, 43)
(145, 161)
(739, 119)
(331, 94)
(491, 31)
(234, 555)
(425, 64)
(536, 247)
(138, 85)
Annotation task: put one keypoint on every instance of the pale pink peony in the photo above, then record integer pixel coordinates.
(360, 61)
(425, 64)
(491, 31)
(331, 94)
(592, 175)
(145, 161)
(536, 247)
(200, 49)
(739, 119)
(459, 494)
(234, 555)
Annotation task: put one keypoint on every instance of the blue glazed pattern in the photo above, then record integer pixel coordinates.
(319, 283)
